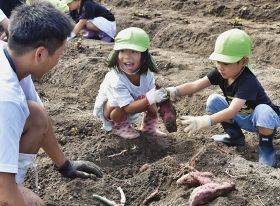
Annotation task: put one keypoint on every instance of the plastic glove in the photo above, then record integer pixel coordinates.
(156, 96)
(81, 169)
(72, 36)
(172, 92)
(195, 123)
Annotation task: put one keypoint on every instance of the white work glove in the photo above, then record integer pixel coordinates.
(195, 123)
(72, 36)
(172, 92)
(156, 95)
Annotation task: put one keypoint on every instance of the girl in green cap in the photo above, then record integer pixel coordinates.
(95, 20)
(244, 104)
(129, 89)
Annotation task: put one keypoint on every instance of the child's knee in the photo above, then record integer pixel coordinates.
(38, 117)
(265, 117)
(215, 103)
(118, 115)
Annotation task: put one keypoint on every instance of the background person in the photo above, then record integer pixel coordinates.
(95, 20)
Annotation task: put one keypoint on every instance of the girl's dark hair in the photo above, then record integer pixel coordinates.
(147, 62)
(75, 14)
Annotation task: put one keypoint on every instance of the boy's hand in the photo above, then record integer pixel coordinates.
(81, 169)
(156, 96)
(195, 123)
(172, 92)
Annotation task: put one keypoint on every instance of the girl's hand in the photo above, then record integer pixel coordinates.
(156, 96)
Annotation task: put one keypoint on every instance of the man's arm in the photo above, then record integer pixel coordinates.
(9, 192)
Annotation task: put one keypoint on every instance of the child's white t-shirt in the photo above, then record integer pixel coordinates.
(121, 92)
(2, 16)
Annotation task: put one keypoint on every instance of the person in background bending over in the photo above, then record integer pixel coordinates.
(95, 20)
(36, 41)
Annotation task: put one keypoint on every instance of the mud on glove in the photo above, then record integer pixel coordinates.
(172, 92)
(156, 95)
(81, 169)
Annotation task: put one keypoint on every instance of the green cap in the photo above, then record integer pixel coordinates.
(132, 38)
(67, 1)
(231, 46)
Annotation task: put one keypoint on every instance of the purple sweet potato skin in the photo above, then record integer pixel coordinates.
(196, 178)
(168, 115)
(205, 193)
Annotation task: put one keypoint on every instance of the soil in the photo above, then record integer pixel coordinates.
(182, 35)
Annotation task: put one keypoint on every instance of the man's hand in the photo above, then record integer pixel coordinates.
(81, 169)
(172, 92)
(156, 96)
(195, 123)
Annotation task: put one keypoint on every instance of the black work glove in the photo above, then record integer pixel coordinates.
(81, 169)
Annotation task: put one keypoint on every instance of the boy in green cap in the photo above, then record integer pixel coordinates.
(244, 104)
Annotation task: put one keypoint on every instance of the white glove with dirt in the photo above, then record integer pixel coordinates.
(156, 95)
(172, 92)
(195, 123)
(72, 36)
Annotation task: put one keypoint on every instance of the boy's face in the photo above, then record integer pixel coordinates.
(129, 60)
(49, 62)
(231, 70)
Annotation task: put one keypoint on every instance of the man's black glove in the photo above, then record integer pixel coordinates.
(81, 169)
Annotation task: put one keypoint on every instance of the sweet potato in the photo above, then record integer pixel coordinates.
(196, 178)
(168, 115)
(205, 193)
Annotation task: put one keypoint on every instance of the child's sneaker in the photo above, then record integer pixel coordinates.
(125, 130)
(149, 124)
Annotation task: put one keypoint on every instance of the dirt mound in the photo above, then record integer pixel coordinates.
(183, 34)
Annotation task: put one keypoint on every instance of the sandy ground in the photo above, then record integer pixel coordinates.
(183, 34)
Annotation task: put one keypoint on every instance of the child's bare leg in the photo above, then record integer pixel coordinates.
(90, 26)
(121, 126)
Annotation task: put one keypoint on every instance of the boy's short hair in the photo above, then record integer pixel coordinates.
(36, 25)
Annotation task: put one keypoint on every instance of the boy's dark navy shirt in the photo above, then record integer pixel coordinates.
(91, 10)
(246, 86)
